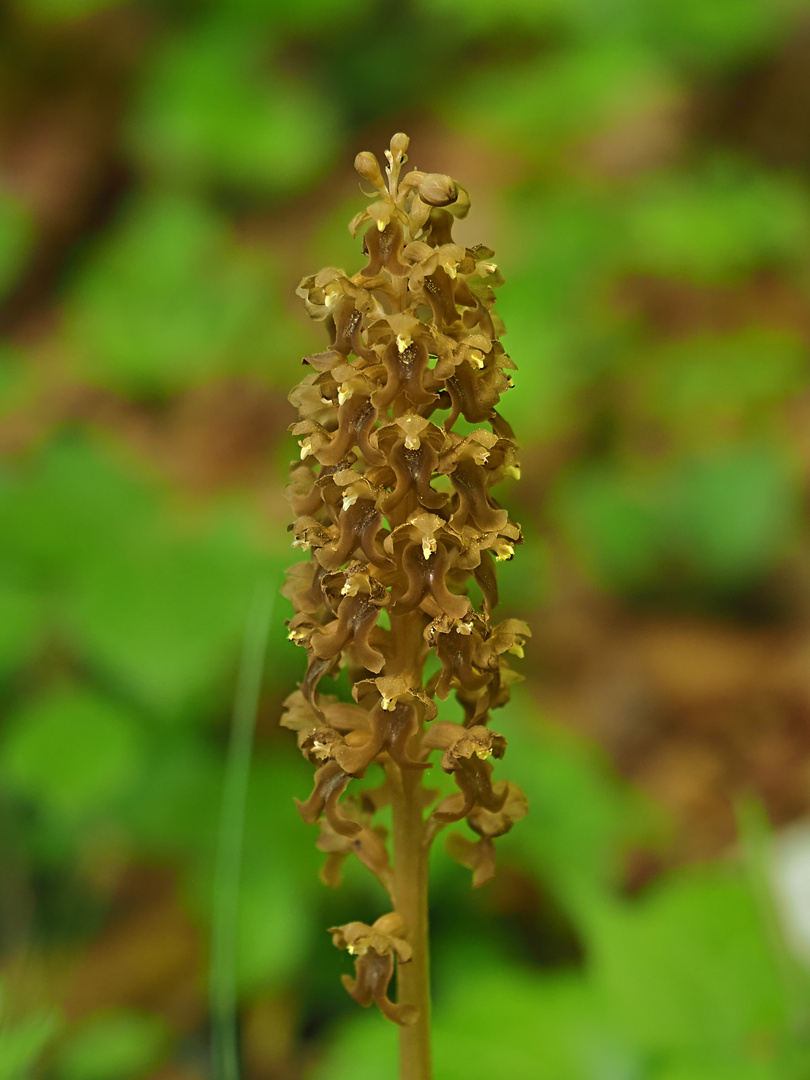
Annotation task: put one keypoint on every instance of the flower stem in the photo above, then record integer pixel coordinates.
(411, 902)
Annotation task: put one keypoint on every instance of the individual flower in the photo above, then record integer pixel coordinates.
(375, 948)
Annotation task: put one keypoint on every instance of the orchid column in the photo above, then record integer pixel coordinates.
(393, 503)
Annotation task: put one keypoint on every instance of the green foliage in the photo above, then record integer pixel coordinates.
(22, 1041)
(21, 620)
(152, 601)
(733, 513)
(215, 107)
(274, 930)
(719, 519)
(688, 970)
(578, 851)
(67, 11)
(572, 94)
(15, 239)
(712, 33)
(716, 224)
(71, 751)
(164, 619)
(680, 983)
(113, 1046)
(168, 300)
(613, 522)
(316, 18)
(701, 386)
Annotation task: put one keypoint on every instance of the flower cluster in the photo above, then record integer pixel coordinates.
(401, 445)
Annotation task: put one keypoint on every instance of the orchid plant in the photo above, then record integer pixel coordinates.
(401, 443)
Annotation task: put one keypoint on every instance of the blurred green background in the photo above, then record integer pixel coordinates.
(169, 171)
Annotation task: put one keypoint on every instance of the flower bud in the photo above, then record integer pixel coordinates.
(399, 144)
(436, 189)
(369, 168)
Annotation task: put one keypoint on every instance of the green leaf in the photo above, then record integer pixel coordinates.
(275, 924)
(612, 521)
(318, 18)
(532, 1027)
(215, 108)
(174, 810)
(21, 619)
(117, 1045)
(166, 618)
(68, 508)
(475, 17)
(581, 815)
(72, 751)
(707, 382)
(731, 515)
(535, 1028)
(697, 1068)
(543, 108)
(716, 224)
(168, 299)
(66, 11)
(23, 1041)
(687, 969)
(15, 240)
(713, 34)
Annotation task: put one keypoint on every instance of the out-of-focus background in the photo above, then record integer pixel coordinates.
(169, 172)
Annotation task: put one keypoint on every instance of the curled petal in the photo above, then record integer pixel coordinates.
(427, 578)
(405, 370)
(302, 627)
(438, 291)
(357, 617)
(485, 578)
(348, 322)
(438, 228)
(300, 716)
(358, 526)
(384, 247)
(391, 729)
(413, 469)
(302, 492)
(311, 534)
(330, 783)
(461, 743)
(373, 975)
(507, 637)
(319, 745)
(476, 447)
(303, 587)
(456, 642)
(491, 823)
(368, 845)
(476, 855)
(475, 786)
(356, 418)
(470, 482)
(316, 669)
(475, 394)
